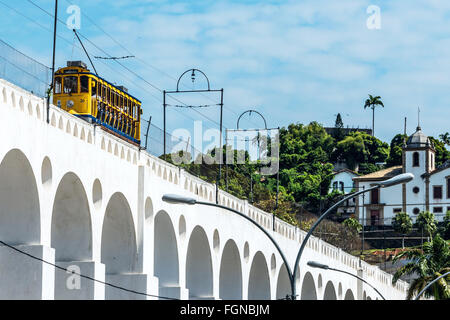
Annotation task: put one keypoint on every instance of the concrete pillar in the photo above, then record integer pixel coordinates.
(140, 283)
(359, 284)
(174, 292)
(70, 286)
(25, 278)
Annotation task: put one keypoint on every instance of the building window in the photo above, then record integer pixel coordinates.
(437, 210)
(397, 210)
(416, 210)
(375, 196)
(341, 186)
(335, 185)
(416, 190)
(416, 162)
(448, 188)
(437, 192)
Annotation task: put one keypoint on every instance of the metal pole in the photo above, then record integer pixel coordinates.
(276, 200)
(164, 120)
(146, 133)
(53, 60)
(220, 144)
(226, 159)
(302, 247)
(363, 221)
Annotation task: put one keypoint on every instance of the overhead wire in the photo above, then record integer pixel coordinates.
(82, 275)
(141, 60)
(121, 64)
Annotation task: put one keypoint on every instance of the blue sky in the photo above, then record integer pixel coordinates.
(294, 61)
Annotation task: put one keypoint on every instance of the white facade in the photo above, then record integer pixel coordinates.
(428, 191)
(75, 196)
(343, 181)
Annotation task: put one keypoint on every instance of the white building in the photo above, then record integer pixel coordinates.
(343, 181)
(428, 191)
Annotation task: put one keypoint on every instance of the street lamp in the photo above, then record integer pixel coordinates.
(325, 267)
(428, 285)
(399, 179)
(178, 199)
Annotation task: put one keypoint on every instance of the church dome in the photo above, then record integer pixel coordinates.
(418, 140)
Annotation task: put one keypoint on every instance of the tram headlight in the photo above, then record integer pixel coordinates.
(70, 103)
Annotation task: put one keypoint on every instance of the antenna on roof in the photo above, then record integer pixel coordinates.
(418, 119)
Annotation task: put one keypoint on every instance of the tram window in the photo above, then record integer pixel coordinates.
(104, 93)
(70, 84)
(94, 88)
(108, 97)
(57, 85)
(84, 84)
(121, 103)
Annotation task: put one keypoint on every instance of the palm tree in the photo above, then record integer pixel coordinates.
(402, 224)
(445, 138)
(372, 103)
(426, 222)
(428, 263)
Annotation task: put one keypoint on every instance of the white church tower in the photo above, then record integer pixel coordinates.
(418, 159)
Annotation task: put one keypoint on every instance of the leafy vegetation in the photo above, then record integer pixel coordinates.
(307, 155)
(428, 263)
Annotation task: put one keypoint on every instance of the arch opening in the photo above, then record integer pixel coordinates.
(230, 278)
(199, 273)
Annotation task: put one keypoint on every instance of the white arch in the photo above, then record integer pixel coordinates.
(199, 272)
(308, 288)
(330, 292)
(71, 229)
(19, 225)
(19, 198)
(283, 283)
(118, 246)
(259, 280)
(230, 275)
(349, 295)
(166, 264)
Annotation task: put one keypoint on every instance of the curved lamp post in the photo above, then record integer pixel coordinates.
(429, 285)
(314, 264)
(399, 179)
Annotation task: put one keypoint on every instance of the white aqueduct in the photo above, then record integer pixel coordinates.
(72, 194)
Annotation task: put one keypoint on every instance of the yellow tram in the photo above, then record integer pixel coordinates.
(86, 95)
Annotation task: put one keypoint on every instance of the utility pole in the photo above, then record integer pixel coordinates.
(53, 61)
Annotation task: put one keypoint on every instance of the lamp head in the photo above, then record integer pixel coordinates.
(398, 179)
(177, 199)
(315, 264)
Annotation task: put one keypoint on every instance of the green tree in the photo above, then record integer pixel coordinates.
(428, 264)
(305, 168)
(446, 226)
(359, 148)
(445, 137)
(338, 132)
(396, 150)
(402, 224)
(426, 222)
(372, 103)
(353, 225)
(442, 154)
